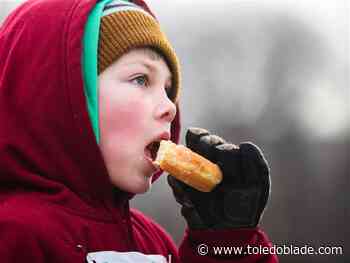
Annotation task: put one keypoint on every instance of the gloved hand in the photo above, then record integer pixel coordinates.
(240, 199)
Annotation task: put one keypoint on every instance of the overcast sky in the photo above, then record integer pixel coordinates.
(329, 17)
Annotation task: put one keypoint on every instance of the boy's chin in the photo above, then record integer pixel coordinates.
(140, 187)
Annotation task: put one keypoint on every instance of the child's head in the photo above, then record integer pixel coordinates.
(137, 90)
(135, 109)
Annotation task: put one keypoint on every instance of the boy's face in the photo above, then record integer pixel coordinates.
(134, 110)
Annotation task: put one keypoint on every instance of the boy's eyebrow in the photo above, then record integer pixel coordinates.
(150, 67)
(152, 54)
(155, 56)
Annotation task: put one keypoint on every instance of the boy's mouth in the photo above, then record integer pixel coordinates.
(152, 149)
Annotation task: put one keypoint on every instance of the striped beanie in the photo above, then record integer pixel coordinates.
(126, 25)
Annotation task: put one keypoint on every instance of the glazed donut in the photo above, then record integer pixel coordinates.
(188, 166)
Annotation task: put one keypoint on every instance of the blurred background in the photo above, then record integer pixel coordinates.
(275, 73)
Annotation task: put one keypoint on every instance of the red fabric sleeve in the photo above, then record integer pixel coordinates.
(225, 245)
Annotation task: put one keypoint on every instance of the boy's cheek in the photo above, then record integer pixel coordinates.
(126, 121)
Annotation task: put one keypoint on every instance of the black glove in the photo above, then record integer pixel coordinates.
(240, 199)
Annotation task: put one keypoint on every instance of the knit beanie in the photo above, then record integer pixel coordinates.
(125, 26)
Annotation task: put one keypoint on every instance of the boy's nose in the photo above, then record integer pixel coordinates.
(166, 110)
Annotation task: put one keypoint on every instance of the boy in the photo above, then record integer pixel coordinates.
(85, 88)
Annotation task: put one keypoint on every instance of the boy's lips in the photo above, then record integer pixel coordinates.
(162, 136)
(152, 147)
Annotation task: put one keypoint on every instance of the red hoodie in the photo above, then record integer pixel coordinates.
(56, 200)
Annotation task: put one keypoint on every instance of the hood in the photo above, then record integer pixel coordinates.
(47, 144)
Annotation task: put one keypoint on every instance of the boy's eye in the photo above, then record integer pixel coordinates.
(140, 80)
